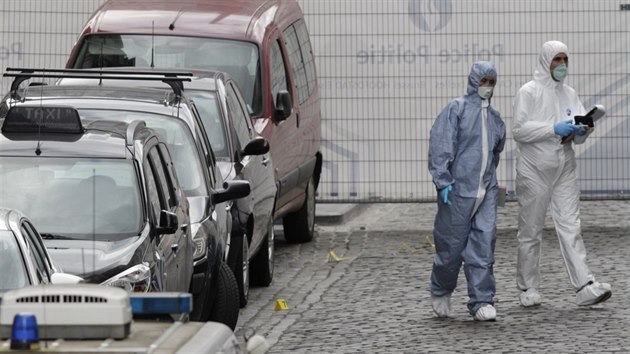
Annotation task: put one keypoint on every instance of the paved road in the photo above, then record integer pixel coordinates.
(374, 297)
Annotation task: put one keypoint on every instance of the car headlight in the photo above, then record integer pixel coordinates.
(134, 279)
(199, 239)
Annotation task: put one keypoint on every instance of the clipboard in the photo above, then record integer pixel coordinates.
(589, 119)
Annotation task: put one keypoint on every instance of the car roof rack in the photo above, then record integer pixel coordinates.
(172, 78)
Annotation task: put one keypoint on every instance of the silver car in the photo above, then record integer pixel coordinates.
(23, 258)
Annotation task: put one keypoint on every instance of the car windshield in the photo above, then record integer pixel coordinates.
(13, 274)
(237, 58)
(208, 107)
(78, 198)
(178, 138)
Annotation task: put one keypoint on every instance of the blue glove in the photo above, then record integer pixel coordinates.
(443, 193)
(565, 128)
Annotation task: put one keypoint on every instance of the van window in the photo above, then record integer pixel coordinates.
(278, 71)
(307, 55)
(301, 58)
(297, 63)
(240, 59)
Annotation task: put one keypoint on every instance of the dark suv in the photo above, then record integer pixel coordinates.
(214, 287)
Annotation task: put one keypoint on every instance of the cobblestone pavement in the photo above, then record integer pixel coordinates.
(374, 297)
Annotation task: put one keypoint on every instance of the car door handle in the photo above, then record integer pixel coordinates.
(265, 161)
(174, 247)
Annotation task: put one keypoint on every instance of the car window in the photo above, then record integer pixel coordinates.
(162, 179)
(307, 54)
(95, 198)
(13, 274)
(155, 200)
(240, 59)
(171, 175)
(178, 138)
(238, 117)
(278, 71)
(35, 254)
(297, 63)
(209, 112)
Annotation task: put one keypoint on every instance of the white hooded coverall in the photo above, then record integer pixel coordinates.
(545, 173)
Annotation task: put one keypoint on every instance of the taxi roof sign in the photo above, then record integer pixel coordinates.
(42, 119)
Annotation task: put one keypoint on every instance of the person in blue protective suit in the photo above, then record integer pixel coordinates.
(464, 146)
(544, 109)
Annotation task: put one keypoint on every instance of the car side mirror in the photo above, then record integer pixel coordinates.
(283, 107)
(231, 190)
(168, 223)
(256, 146)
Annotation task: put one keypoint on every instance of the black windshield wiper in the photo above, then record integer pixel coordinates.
(54, 237)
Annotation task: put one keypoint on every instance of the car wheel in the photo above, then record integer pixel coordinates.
(299, 226)
(202, 300)
(262, 265)
(239, 262)
(226, 304)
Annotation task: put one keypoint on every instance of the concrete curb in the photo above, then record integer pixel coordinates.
(331, 214)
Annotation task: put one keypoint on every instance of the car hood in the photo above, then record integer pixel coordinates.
(86, 257)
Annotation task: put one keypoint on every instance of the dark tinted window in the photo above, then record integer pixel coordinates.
(171, 176)
(278, 72)
(153, 194)
(162, 179)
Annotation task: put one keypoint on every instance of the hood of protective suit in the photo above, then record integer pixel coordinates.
(549, 50)
(478, 71)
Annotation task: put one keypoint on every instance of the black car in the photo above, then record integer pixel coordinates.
(242, 154)
(104, 197)
(173, 116)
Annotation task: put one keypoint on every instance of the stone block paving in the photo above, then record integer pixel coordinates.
(374, 298)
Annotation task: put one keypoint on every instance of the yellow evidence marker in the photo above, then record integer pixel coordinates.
(281, 305)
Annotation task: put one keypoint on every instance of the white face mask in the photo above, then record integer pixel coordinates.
(485, 92)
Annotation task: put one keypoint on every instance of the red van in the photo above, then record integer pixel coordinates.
(263, 44)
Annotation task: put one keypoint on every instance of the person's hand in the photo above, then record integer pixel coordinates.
(443, 193)
(565, 128)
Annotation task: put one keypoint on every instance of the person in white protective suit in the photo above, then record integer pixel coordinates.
(464, 147)
(544, 109)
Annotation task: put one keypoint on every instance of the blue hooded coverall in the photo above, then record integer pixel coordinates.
(466, 230)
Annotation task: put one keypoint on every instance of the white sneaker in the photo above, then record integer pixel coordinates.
(441, 305)
(486, 313)
(529, 298)
(593, 293)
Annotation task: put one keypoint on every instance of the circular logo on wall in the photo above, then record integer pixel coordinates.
(430, 15)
